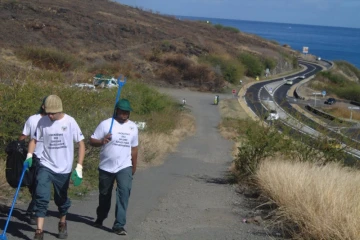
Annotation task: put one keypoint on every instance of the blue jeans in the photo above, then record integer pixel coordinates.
(106, 182)
(44, 178)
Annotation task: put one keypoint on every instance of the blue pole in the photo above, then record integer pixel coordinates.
(120, 85)
(3, 235)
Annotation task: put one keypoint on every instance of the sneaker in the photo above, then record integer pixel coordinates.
(62, 230)
(32, 219)
(39, 235)
(98, 223)
(120, 231)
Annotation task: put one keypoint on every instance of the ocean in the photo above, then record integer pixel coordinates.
(330, 43)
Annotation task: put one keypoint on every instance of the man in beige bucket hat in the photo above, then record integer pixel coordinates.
(58, 132)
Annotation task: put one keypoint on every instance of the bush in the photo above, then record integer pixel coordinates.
(258, 142)
(253, 64)
(21, 100)
(334, 78)
(170, 74)
(348, 69)
(227, 28)
(201, 74)
(230, 70)
(178, 61)
(338, 85)
(50, 59)
(167, 46)
(269, 63)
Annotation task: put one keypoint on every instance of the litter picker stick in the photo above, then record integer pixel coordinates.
(121, 83)
(3, 235)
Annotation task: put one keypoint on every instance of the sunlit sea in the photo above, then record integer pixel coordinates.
(331, 43)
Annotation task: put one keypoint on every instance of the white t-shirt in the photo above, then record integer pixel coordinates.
(116, 154)
(58, 137)
(29, 130)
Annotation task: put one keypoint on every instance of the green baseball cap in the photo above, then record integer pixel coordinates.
(124, 105)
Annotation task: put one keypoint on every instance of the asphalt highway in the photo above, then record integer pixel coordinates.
(275, 90)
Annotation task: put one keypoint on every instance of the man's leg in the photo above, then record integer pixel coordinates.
(30, 210)
(42, 197)
(61, 185)
(124, 182)
(106, 183)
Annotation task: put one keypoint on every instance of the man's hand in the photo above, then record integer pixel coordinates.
(28, 160)
(133, 170)
(76, 175)
(106, 139)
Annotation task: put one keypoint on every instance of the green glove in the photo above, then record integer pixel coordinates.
(28, 160)
(76, 176)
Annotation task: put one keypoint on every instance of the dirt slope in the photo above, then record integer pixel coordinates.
(101, 31)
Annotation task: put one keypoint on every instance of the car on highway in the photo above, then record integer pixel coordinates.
(330, 101)
(301, 76)
(272, 115)
(289, 82)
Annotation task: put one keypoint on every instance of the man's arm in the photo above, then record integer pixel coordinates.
(22, 137)
(99, 142)
(134, 154)
(81, 152)
(32, 145)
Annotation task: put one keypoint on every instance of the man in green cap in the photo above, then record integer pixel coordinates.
(118, 159)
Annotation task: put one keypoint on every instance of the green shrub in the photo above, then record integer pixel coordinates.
(269, 63)
(348, 68)
(295, 62)
(167, 46)
(253, 64)
(339, 85)
(258, 142)
(230, 70)
(50, 59)
(21, 100)
(334, 78)
(227, 28)
(351, 92)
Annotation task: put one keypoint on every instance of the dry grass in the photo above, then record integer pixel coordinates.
(154, 147)
(5, 189)
(323, 201)
(231, 111)
(343, 112)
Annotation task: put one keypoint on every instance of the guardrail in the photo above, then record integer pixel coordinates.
(329, 62)
(355, 103)
(322, 114)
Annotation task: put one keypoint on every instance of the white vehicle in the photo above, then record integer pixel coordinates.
(273, 115)
(105, 81)
(289, 82)
(302, 77)
(84, 85)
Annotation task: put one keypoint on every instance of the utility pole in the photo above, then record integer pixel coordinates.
(316, 93)
(353, 108)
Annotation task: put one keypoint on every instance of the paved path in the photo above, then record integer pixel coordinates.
(185, 198)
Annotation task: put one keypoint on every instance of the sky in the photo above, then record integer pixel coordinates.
(339, 13)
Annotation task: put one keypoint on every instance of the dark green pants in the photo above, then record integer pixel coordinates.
(106, 182)
(44, 178)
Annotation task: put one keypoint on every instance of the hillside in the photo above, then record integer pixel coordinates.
(110, 38)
